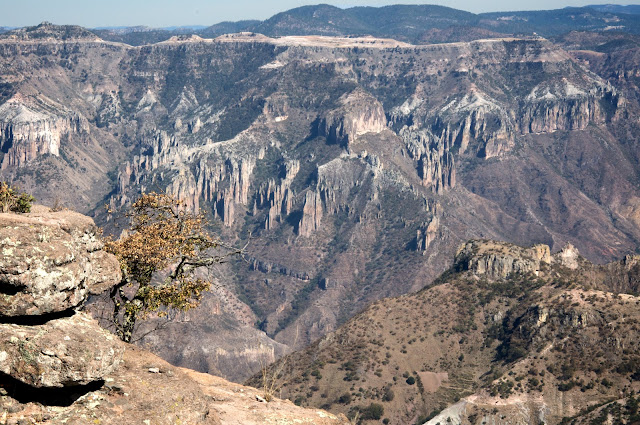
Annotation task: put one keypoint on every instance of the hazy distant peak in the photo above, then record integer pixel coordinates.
(632, 9)
(47, 30)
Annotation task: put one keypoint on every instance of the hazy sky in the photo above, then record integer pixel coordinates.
(160, 13)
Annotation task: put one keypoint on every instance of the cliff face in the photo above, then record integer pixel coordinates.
(563, 106)
(49, 261)
(353, 166)
(359, 113)
(311, 214)
(507, 335)
(51, 141)
(29, 129)
(497, 261)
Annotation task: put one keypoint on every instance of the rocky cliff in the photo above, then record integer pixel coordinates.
(51, 263)
(358, 114)
(497, 261)
(57, 365)
(34, 127)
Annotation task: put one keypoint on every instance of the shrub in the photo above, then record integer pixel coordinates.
(13, 200)
(566, 386)
(373, 411)
(163, 237)
(345, 398)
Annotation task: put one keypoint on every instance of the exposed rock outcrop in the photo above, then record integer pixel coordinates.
(31, 127)
(278, 198)
(435, 162)
(497, 260)
(58, 353)
(224, 184)
(271, 267)
(623, 276)
(568, 256)
(339, 182)
(565, 106)
(311, 214)
(427, 234)
(146, 389)
(437, 171)
(49, 267)
(477, 118)
(359, 114)
(51, 262)
(475, 123)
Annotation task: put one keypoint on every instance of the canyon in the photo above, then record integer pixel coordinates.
(353, 167)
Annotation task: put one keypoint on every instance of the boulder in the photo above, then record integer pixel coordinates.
(64, 352)
(50, 262)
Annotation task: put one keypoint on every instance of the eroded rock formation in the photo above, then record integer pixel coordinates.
(64, 352)
(499, 260)
(31, 127)
(311, 214)
(359, 113)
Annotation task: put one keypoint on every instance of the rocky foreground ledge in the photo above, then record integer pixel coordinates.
(57, 365)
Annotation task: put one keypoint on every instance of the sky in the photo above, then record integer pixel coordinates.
(163, 13)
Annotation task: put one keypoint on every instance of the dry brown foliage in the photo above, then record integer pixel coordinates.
(165, 239)
(11, 199)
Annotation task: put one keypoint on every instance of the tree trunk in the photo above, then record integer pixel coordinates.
(129, 319)
(128, 324)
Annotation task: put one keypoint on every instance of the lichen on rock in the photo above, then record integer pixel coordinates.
(50, 262)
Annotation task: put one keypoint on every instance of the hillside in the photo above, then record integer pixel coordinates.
(415, 23)
(507, 335)
(401, 22)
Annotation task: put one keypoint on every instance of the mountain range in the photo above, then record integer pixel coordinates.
(421, 24)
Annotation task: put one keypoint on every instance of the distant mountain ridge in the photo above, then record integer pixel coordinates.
(49, 30)
(617, 8)
(404, 22)
(418, 24)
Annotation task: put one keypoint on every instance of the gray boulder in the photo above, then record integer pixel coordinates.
(62, 352)
(50, 262)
